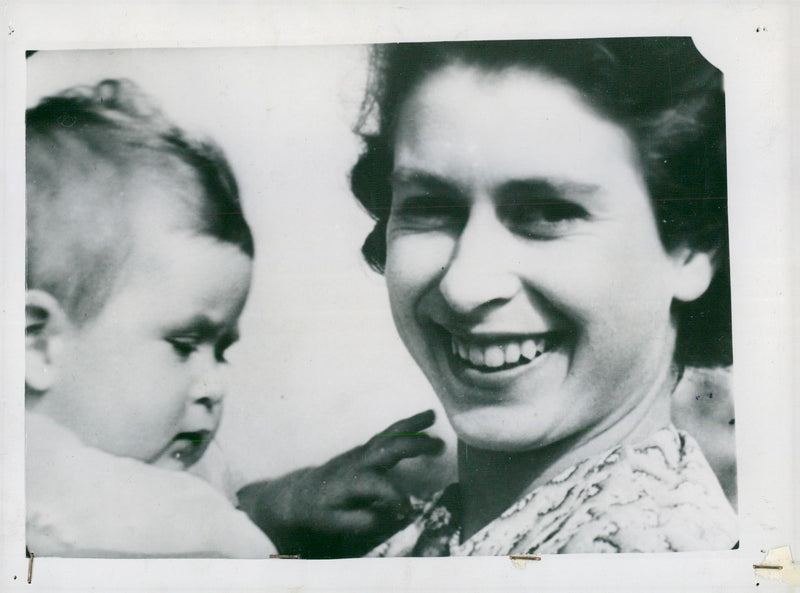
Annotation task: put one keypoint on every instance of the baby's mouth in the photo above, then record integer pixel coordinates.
(491, 355)
(186, 448)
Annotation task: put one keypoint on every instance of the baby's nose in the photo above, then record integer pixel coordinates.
(209, 403)
(209, 388)
(204, 408)
(208, 392)
(203, 414)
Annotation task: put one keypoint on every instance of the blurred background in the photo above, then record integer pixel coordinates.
(319, 367)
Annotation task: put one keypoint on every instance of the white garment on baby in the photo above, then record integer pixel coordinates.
(83, 502)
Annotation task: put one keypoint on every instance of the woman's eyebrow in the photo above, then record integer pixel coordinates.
(429, 181)
(542, 189)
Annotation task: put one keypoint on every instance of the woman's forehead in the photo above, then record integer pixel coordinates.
(484, 103)
(516, 123)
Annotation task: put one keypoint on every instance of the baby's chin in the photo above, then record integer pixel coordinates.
(184, 450)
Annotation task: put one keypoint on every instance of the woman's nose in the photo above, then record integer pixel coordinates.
(480, 270)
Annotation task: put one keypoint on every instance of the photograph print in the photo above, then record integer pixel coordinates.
(462, 298)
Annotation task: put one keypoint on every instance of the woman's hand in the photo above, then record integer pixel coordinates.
(347, 506)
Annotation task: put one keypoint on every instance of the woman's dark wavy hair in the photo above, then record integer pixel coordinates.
(661, 90)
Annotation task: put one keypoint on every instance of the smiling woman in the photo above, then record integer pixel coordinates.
(550, 215)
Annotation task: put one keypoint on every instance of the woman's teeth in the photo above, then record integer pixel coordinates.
(499, 354)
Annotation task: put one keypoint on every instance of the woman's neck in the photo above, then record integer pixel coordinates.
(491, 481)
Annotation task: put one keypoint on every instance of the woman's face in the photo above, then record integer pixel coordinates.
(525, 271)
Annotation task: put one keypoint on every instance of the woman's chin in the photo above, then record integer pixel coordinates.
(489, 431)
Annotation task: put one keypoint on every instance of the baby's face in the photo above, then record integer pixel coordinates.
(146, 377)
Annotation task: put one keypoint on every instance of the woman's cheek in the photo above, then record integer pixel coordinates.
(415, 262)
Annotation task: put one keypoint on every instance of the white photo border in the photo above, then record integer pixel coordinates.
(749, 42)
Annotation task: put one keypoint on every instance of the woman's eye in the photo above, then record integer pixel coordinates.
(182, 347)
(543, 220)
(428, 211)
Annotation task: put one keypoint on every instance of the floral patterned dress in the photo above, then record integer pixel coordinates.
(657, 496)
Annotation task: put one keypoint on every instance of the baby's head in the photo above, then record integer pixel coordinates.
(138, 266)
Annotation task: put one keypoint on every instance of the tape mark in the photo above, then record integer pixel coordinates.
(778, 565)
(520, 560)
(30, 568)
(286, 556)
(525, 557)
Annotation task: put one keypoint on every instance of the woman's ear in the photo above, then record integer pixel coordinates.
(694, 271)
(45, 323)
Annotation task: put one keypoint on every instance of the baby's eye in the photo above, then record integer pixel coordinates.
(219, 353)
(221, 346)
(183, 347)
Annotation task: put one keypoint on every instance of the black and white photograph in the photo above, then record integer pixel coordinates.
(447, 296)
(551, 225)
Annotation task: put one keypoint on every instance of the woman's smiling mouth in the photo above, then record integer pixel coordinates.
(500, 354)
(492, 358)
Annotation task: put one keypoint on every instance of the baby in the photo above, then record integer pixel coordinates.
(139, 262)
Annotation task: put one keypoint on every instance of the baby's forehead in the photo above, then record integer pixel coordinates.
(175, 271)
(166, 249)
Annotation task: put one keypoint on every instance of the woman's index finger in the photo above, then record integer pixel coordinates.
(383, 453)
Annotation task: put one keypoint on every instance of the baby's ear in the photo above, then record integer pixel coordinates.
(694, 271)
(45, 323)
